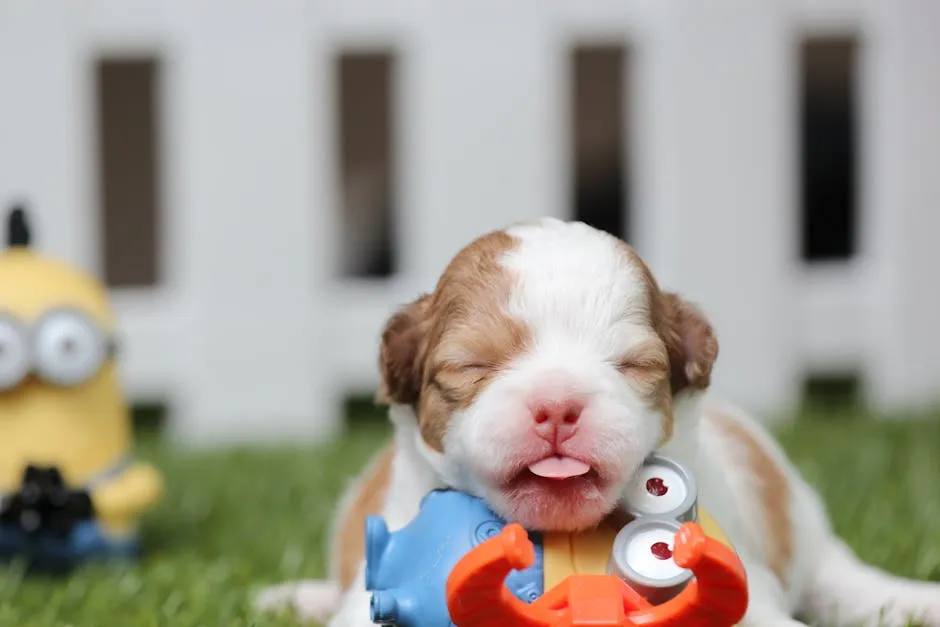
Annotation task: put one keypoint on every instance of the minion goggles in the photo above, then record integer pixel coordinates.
(64, 347)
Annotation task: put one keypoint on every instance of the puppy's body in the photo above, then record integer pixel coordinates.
(542, 370)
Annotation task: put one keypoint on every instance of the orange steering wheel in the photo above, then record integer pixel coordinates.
(478, 597)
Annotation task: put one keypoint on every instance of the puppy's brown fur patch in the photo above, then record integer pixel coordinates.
(368, 499)
(691, 347)
(691, 341)
(440, 351)
(774, 496)
(401, 352)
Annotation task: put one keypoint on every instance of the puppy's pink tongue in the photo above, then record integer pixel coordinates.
(559, 468)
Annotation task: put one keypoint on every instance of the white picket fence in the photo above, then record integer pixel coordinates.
(250, 335)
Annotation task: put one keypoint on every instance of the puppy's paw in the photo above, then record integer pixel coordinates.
(311, 600)
(926, 614)
(909, 604)
(354, 610)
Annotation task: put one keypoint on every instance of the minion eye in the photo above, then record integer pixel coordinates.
(14, 353)
(69, 348)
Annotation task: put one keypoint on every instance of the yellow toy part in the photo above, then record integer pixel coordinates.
(61, 404)
(588, 552)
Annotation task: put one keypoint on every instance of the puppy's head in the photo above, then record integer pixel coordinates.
(542, 370)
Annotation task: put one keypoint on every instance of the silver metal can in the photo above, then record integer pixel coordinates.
(642, 557)
(662, 487)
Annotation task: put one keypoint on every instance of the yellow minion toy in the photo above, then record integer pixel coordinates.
(69, 489)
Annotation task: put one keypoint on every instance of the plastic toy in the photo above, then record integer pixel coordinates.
(459, 564)
(69, 489)
(716, 597)
(407, 570)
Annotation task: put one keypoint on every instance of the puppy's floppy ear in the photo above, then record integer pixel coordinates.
(402, 353)
(691, 342)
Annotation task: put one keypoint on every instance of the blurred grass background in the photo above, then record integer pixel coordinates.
(236, 519)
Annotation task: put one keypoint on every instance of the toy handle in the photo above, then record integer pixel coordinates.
(716, 597)
(477, 595)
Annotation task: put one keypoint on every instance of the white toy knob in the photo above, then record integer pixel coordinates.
(662, 488)
(642, 557)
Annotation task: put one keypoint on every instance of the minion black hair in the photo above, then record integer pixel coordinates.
(17, 227)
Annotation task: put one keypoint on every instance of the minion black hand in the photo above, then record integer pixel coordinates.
(45, 505)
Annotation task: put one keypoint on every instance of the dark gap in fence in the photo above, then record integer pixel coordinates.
(128, 113)
(365, 97)
(361, 410)
(598, 137)
(833, 394)
(149, 418)
(829, 149)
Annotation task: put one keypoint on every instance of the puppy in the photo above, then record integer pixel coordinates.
(538, 375)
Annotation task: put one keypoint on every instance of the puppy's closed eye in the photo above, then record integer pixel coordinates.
(458, 382)
(454, 368)
(644, 361)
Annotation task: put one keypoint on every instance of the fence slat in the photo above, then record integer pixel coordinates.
(44, 152)
(720, 222)
(250, 226)
(483, 129)
(902, 202)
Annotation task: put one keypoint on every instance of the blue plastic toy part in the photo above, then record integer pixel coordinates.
(407, 570)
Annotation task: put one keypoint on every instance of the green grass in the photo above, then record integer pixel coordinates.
(235, 520)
